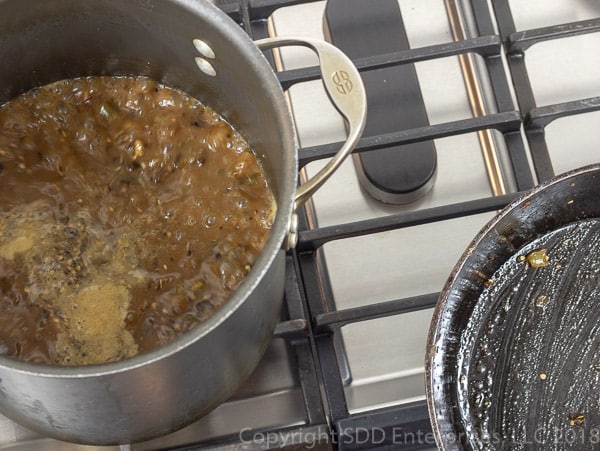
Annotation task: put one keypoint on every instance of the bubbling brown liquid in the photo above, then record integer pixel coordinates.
(129, 212)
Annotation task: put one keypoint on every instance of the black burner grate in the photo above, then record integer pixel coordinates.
(314, 323)
(537, 118)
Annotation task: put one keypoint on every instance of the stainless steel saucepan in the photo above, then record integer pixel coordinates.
(193, 46)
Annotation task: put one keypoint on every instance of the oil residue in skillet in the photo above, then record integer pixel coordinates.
(528, 361)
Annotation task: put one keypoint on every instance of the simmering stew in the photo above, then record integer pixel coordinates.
(129, 212)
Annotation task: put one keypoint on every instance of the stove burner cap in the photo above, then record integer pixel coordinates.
(398, 175)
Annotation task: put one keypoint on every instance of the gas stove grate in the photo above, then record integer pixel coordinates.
(313, 322)
(537, 118)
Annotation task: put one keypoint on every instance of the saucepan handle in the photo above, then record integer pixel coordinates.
(345, 89)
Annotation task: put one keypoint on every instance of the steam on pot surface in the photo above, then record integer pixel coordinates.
(129, 213)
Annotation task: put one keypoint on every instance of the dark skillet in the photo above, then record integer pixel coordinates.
(514, 347)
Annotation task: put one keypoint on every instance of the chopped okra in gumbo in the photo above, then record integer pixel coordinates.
(129, 212)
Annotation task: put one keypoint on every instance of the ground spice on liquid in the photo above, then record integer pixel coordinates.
(129, 212)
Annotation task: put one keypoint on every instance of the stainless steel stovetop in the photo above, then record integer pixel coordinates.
(382, 359)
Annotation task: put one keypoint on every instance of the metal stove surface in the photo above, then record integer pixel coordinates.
(383, 358)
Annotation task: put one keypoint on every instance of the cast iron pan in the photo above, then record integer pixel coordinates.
(514, 347)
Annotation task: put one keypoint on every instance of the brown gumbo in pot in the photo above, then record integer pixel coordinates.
(129, 212)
